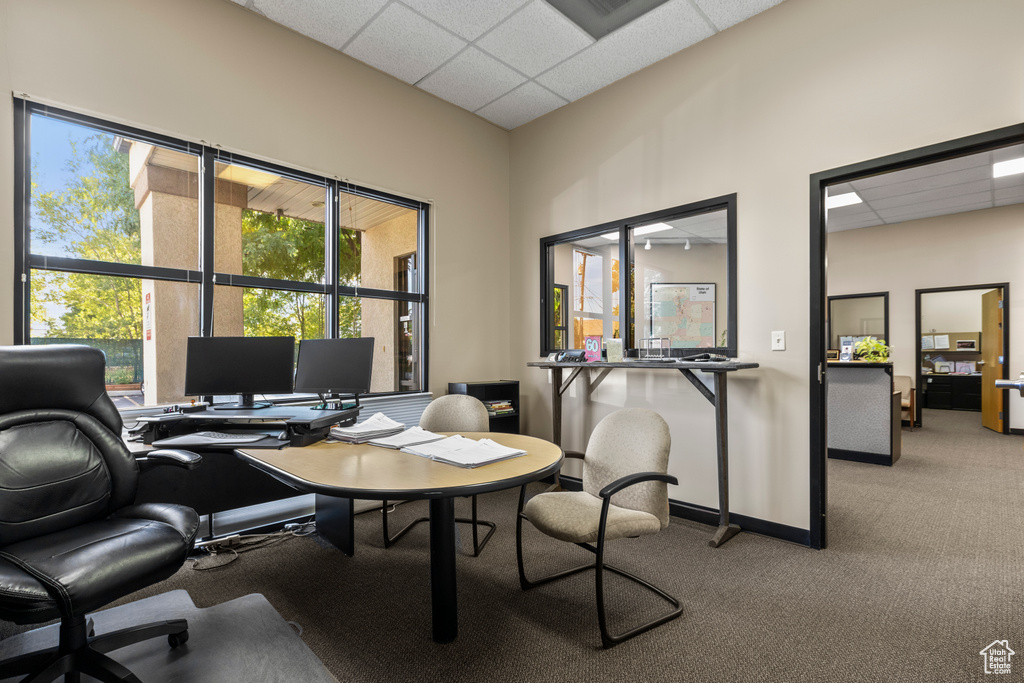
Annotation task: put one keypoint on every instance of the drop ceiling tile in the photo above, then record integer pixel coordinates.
(726, 13)
(937, 208)
(909, 198)
(535, 39)
(404, 44)
(525, 103)
(332, 22)
(948, 168)
(1014, 193)
(1015, 180)
(839, 188)
(468, 19)
(900, 186)
(661, 32)
(472, 79)
(1007, 153)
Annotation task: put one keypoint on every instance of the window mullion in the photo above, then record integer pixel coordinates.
(207, 226)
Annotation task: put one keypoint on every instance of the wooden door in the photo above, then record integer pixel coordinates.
(992, 354)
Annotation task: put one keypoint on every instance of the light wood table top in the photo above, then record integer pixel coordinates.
(365, 471)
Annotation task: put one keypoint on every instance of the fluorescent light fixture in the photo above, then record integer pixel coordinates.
(645, 230)
(648, 245)
(836, 201)
(648, 229)
(1008, 167)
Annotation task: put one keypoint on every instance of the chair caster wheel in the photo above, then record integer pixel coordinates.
(176, 639)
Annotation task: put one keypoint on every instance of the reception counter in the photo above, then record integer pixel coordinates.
(863, 413)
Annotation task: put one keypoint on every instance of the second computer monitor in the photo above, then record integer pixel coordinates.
(334, 366)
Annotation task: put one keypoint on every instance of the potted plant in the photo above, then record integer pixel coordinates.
(871, 350)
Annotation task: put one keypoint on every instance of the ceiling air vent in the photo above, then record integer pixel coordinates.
(601, 17)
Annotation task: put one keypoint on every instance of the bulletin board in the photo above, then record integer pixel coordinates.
(684, 314)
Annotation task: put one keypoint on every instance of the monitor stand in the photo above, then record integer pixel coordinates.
(334, 401)
(246, 403)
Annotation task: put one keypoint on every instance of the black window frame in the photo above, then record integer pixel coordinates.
(625, 227)
(884, 296)
(205, 275)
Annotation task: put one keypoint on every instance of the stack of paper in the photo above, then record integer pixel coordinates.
(462, 452)
(410, 437)
(374, 427)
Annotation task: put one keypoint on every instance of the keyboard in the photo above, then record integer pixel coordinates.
(222, 436)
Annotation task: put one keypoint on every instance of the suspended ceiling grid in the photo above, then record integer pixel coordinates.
(509, 61)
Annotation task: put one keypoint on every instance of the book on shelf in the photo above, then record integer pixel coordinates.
(463, 452)
(499, 407)
(374, 427)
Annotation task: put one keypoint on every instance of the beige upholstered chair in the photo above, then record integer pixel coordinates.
(627, 458)
(908, 399)
(451, 413)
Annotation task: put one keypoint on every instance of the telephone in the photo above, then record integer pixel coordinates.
(708, 357)
(572, 356)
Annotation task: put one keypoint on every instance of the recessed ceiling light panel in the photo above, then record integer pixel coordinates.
(840, 200)
(1008, 167)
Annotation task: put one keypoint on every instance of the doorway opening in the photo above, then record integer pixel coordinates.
(861, 203)
(958, 367)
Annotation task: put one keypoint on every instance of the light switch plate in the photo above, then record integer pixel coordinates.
(779, 340)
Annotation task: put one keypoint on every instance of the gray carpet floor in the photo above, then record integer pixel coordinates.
(923, 570)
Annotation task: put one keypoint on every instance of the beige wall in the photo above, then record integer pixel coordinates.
(949, 311)
(920, 255)
(806, 86)
(211, 70)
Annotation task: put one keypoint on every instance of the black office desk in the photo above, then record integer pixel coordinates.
(223, 482)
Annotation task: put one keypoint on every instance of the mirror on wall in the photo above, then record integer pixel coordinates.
(851, 317)
(665, 279)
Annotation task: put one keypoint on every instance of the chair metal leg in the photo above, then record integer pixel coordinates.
(478, 545)
(608, 639)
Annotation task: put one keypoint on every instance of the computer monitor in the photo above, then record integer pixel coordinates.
(332, 367)
(239, 365)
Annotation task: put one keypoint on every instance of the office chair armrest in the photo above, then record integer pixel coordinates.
(169, 456)
(635, 478)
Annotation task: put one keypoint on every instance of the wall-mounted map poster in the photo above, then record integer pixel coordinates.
(684, 313)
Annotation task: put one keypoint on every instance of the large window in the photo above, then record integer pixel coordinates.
(677, 291)
(131, 242)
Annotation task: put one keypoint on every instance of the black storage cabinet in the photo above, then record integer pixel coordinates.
(953, 392)
(498, 390)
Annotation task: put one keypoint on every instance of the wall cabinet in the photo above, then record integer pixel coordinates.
(494, 395)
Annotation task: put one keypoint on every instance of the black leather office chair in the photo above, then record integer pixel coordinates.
(71, 541)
